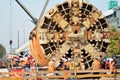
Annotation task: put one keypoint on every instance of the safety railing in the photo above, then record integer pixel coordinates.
(75, 74)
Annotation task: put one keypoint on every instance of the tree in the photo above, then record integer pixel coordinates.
(2, 51)
(112, 28)
(114, 47)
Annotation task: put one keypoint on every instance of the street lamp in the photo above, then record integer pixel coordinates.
(10, 42)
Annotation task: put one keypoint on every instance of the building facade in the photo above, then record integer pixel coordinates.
(112, 16)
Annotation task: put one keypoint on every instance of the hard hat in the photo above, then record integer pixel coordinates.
(53, 59)
(69, 59)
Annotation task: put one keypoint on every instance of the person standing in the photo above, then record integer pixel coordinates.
(107, 64)
(68, 64)
(102, 62)
(54, 63)
(96, 66)
(3, 64)
(72, 65)
(113, 66)
(51, 66)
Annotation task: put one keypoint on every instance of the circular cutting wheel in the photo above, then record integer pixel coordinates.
(73, 29)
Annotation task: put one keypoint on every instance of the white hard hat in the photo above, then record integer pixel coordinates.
(69, 59)
(53, 59)
(65, 60)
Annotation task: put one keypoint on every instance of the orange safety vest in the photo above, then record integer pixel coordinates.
(32, 69)
(68, 65)
(26, 61)
(3, 64)
(23, 63)
(50, 66)
(96, 65)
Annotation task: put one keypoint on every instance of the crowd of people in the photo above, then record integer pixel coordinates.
(98, 63)
(65, 64)
(101, 63)
(25, 65)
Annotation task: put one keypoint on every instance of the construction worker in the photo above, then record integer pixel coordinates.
(72, 65)
(61, 65)
(54, 63)
(107, 64)
(51, 66)
(68, 64)
(113, 66)
(14, 63)
(96, 64)
(27, 65)
(32, 65)
(3, 64)
(65, 64)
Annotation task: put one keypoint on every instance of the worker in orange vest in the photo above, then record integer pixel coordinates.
(3, 64)
(96, 64)
(68, 64)
(32, 65)
(113, 66)
(51, 66)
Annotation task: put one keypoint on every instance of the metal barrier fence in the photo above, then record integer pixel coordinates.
(45, 75)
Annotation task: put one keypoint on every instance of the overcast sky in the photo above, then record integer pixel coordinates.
(20, 22)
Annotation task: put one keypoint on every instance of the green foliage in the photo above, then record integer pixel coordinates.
(2, 51)
(114, 47)
(112, 28)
